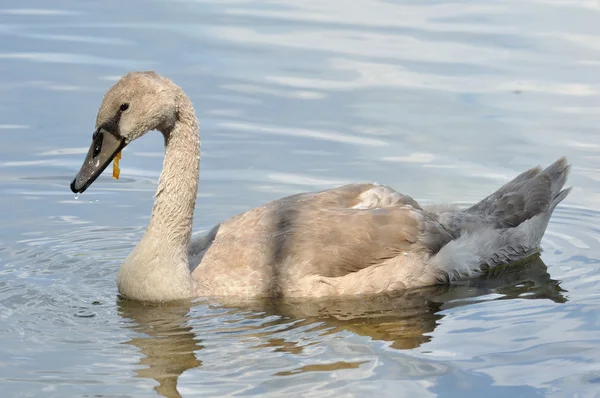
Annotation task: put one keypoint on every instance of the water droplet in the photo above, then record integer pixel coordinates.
(76, 196)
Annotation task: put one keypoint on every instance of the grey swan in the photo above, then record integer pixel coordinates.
(355, 239)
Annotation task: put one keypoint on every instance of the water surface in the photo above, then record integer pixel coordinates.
(444, 101)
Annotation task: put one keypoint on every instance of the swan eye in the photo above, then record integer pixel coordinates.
(124, 107)
(97, 144)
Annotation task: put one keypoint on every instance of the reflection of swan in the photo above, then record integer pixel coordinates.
(168, 344)
(357, 239)
(405, 319)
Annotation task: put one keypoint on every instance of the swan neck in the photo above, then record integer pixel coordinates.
(173, 211)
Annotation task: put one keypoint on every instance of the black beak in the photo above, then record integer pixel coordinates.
(104, 148)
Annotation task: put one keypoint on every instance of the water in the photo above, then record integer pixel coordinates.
(442, 100)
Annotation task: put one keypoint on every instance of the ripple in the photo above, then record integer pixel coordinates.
(324, 367)
(74, 59)
(37, 12)
(318, 135)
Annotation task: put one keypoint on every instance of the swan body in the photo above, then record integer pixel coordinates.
(356, 239)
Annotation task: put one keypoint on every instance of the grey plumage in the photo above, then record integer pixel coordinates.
(531, 193)
(355, 239)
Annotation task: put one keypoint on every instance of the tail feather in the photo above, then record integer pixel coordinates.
(506, 226)
(558, 172)
(531, 193)
(560, 197)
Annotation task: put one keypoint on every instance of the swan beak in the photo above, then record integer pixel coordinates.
(105, 146)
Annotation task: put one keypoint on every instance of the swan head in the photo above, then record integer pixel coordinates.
(137, 103)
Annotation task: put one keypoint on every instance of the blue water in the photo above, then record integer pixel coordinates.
(444, 101)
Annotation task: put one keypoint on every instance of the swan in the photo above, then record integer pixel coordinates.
(355, 239)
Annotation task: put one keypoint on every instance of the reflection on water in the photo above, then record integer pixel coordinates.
(169, 346)
(404, 319)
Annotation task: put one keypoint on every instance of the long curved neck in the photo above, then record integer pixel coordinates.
(157, 269)
(173, 211)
